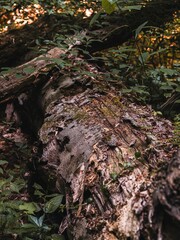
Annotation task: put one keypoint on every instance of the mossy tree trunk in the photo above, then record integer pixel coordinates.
(101, 151)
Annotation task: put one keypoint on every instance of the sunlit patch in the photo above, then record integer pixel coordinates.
(20, 17)
(88, 12)
(13, 19)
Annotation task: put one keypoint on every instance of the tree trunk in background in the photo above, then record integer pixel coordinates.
(16, 45)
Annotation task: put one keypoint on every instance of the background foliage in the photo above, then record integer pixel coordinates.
(145, 69)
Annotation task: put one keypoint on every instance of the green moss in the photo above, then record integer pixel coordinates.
(117, 102)
(80, 115)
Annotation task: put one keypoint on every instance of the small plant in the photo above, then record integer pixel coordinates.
(19, 215)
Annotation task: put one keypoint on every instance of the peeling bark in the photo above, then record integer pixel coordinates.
(28, 75)
(106, 149)
(103, 153)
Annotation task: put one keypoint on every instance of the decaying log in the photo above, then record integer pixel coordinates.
(26, 76)
(103, 151)
(100, 151)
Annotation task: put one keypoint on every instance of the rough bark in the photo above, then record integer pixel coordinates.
(104, 154)
(27, 76)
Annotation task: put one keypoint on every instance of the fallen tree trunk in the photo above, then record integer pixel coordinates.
(27, 76)
(103, 153)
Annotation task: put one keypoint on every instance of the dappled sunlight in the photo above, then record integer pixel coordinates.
(15, 19)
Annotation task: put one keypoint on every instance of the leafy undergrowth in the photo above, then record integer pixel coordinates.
(147, 68)
(26, 208)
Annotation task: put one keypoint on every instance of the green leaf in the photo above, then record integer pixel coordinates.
(58, 61)
(126, 90)
(1, 171)
(168, 71)
(38, 193)
(173, 84)
(14, 187)
(138, 30)
(30, 208)
(2, 182)
(123, 66)
(2, 162)
(28, 70)
(34, 220)
(158, 113)
(143, 57)
(7, 7)
(167, 95)
(108, 6)
(57, 237)
(5, 71)
(115, 71)
(40, 220)
(53, 204)
(28, 226)
(140, 90)
(178, 89)
(45, 227)
(37, 186)
(130, 8)
(52, 195)
(159, 51)
(166, 87)
(94, 18)
(114, 175)
(19, 75)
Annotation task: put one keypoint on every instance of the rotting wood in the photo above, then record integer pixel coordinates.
(17, 80)
(95, 159)
(102, 152)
